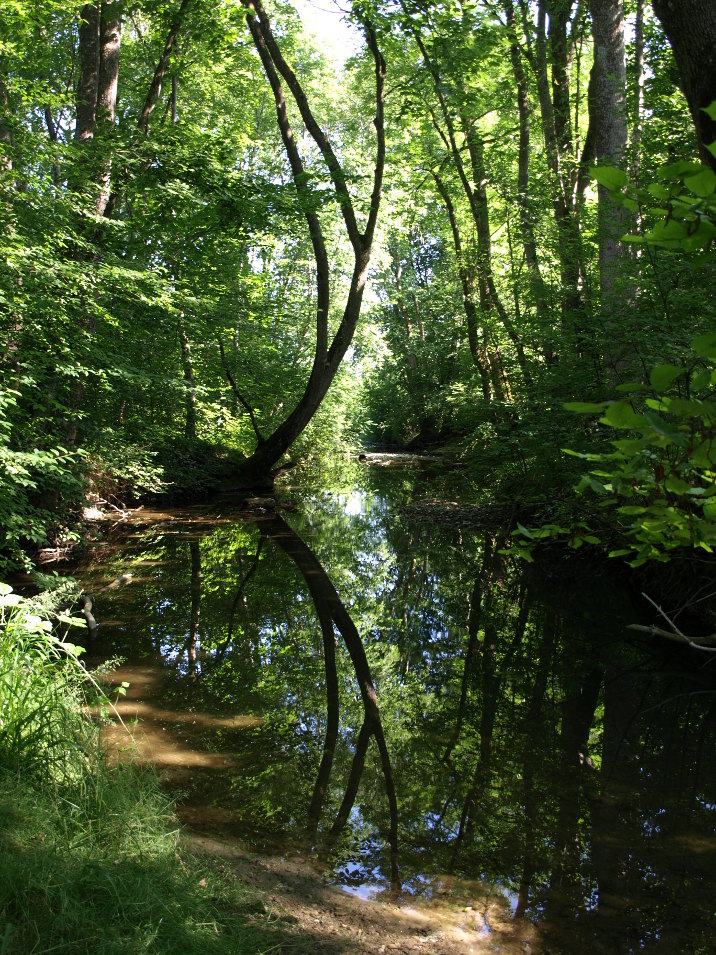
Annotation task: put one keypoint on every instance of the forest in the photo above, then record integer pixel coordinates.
(223, 252)
(244, 265)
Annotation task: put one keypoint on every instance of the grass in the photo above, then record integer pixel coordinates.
(90, 856)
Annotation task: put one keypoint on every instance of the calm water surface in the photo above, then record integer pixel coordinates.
(389, 695)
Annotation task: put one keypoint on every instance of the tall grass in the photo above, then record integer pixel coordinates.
(41, 680)
(90, 856)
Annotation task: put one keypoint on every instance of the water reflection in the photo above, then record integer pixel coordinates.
(524, 747)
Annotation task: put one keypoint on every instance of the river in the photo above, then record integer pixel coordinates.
(376, 687)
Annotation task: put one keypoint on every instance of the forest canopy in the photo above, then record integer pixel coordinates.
(222, 249)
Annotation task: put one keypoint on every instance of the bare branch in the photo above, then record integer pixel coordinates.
(708, 644)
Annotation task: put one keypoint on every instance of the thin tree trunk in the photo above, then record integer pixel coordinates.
(611, 144)
(556, 125)
(155, 87)
(637, 127)
(190, 423)
(529, 243)
(5, 134)
(479, 356)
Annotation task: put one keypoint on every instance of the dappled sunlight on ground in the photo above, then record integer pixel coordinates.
(456, 921)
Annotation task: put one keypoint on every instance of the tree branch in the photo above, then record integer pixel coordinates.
(239, 397)
(155, 87)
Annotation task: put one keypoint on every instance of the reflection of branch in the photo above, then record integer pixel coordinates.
(242, 587)
(473, 628)
(330, 608)
(332, 716)
(707, 644)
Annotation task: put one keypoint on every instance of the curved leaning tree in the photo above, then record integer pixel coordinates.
(328, 352)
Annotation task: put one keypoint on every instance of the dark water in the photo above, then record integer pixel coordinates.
(392, 695)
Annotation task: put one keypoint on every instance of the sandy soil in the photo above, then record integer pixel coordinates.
(320, 918)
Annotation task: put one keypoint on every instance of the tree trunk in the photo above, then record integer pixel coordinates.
(110, 34)
(609, 96)
(637, 126)
(529, 243)
(330, 611)
(468, 295)
(89, 53)
(5, 134)
(155, 87)
(556, 125)
(190, 422)
(690, 26)
(327, 359)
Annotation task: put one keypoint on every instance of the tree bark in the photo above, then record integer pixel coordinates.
(88, 86)
(5, 134)
(610, 143)
(690, 26)
(110, 33)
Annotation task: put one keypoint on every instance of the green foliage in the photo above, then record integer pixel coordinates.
(41, 681)
(661, 475)
(121, 471)
(36, 489)
(682, 199)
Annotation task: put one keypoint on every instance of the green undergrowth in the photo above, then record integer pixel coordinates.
(90, 856)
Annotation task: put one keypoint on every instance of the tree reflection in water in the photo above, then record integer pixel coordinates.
(331, 612)
(532, 748)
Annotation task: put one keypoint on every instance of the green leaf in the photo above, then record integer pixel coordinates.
(667, 233)
(710, 110)
(663, 375)
(705, 345)
(701, 381)
(703, 183)
(620, 414)
(609, 176)
(631, 446)
(676, 485)
(587, 481)
(677, 170)
(664, 428)
(704, 455)
(658, 191)
(629, 387)
(710, 510)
